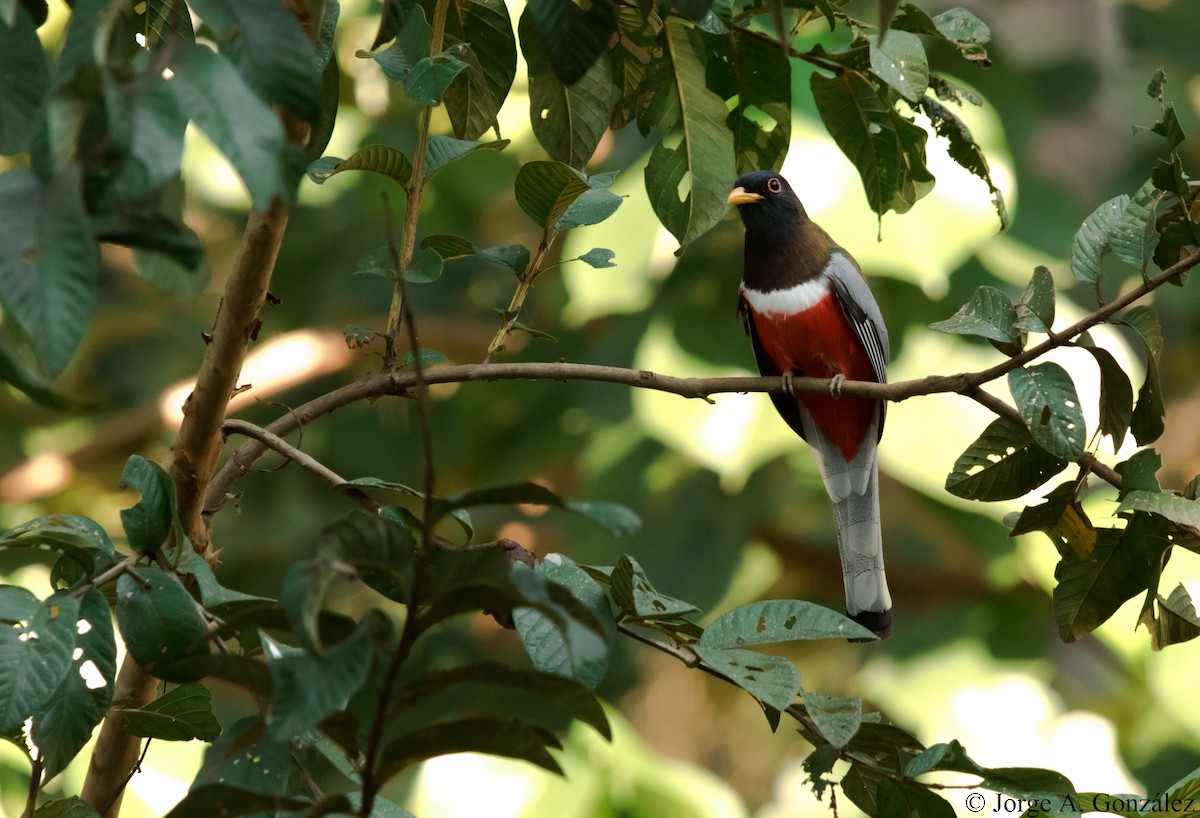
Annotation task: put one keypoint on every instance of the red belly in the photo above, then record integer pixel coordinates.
(819, 342)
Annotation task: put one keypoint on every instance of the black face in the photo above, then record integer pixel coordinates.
(764, 200)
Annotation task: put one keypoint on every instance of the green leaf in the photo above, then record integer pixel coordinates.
(550, 689)
(692, 166)
(837, 717)
(962, 147)
(1178, 510)
(242, 126)
(216, 597)
(514, 257)
(150, 520)
(617, 519)
(772, 680)
(900, 61)
(474, 98)
(308, 688)
(1035, 309)
(269, 48)
(887, 148)
(958, 27)
(574, 36)
(989, 314)
(591, 207)
(692, 9)
(598, 257)
(1147, 420)
(1093, 240)
(1177, 620)
(636, 39)
(302, 596)
(35, 655)
(1133, 237)
(21, 57)
(1003, 463)
(239, 759)
(952, 756)
(77, 538)
(780, 620)
(442, 151)
(382, 159)
(426, 268)
(756, 78)
(1139, 473)
(381, 549)
(637, 598)
(1123, 564)
(1116, 395)
(1046, 398)
(427, 82)
(1144, 320)
(205, 801)
(567, 119)
(49, 263)
(428, 357)
(86, 689)
(160, 622)
(567, 647)
(14, 372)
(498, 737)
(181, 714)
(545, 190)
(447, 246)
(411, 46)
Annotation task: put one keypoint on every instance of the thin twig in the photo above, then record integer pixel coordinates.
(104, 577)
(35, 784)
(524, 285)
(307, 461)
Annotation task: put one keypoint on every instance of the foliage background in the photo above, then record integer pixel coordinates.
(732, 506)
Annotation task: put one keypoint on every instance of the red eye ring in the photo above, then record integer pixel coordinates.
(774, 185)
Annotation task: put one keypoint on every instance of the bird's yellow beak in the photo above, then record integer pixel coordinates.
(741, 196)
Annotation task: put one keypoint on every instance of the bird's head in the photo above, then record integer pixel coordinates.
(765, 200)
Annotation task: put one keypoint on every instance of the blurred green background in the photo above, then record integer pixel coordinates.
(732, 506)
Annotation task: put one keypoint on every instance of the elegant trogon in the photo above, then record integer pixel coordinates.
(808, 311)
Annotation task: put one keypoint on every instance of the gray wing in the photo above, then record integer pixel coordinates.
(860, 309)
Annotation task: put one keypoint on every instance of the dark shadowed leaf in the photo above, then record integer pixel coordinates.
(1003, 463)
(476, 95)
(1176, 620)
(780, 620)
(574, 36)
(181, 714)
(568, 120)
(617, 519)
(508, 739)
(77, 538)
(160, 622)
(151, 519)
(1116, 395)
(755, 77)
(21, 57)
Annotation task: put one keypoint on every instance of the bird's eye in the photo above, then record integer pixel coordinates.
(774, 186)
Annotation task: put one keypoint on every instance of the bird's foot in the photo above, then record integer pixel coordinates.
(788, 388)
(835, 385)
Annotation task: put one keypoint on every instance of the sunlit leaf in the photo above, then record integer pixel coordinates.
(780, 620)
(989, 314)
(772, 680)
(692, 166)
(545, 190)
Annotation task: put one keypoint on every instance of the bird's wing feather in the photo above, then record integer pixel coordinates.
(787, 405)
(860, 309)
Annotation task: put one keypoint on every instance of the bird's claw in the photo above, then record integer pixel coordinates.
(835, 385)
(788, 387)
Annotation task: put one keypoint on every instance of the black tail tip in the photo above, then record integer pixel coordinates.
(880, 623)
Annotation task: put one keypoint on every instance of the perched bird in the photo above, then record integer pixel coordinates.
(808, 311)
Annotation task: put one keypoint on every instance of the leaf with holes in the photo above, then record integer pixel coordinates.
(886, 147)
(1002, 464)
(36, 646)
(899, 60)
(480, 734)
(568, 120)
(1046, 398)
(1134, 237)
(692, 166)
(637, 598)
(475, 97)
(961, 145)
(780, 620)
(772, 680)
(755, 78)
